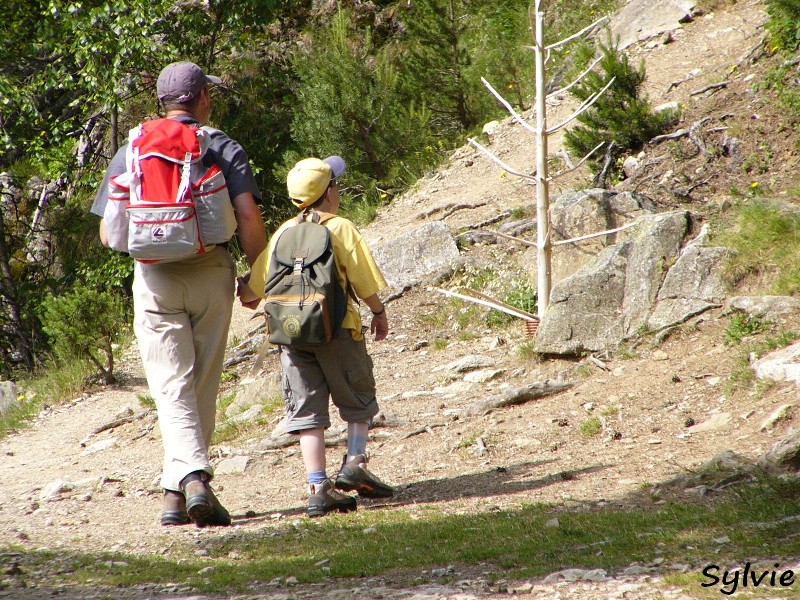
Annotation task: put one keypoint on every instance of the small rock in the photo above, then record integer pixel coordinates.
(553, 523)
(660, 355)
(236, 465)
(99, 446)
(779, 414)
(716, 422)
(722, 540)
(55, 488)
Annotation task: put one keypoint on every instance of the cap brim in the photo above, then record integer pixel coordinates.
(213, 79)
(337, 165)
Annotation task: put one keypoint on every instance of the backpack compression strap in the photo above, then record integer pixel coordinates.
(322, 217)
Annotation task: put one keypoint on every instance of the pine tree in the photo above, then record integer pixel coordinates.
(621, 115)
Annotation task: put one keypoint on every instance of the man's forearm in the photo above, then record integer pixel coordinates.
(252, 234)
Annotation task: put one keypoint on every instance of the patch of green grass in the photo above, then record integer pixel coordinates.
(146, 400)
(232, 429)
(742, 325)
(439, 344)
(512, 544)
(765, 243)
(591, 427)
(228, 376)
(440, 317)
(19, 415)
(742, 375)
(610, 411)
(224, 402)
(61, 381)
(465, 317)
(53, 385)
(522, 295)
(527, 351)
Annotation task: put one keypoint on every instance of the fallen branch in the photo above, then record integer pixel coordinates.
(712, 86)
(696, 138)
(448, 209)
(398, 294)
(600, 179)
(288, 439)
(669, 136)
(481, 447)
(490, 221)
(426, 429)
(116, 423)
(677, 83)
(514, 312)
(598, 363)
(512, 397)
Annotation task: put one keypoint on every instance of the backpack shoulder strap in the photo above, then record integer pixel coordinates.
(321, 218)
(314, 216)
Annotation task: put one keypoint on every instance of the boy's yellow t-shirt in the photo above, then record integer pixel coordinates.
(354, 266)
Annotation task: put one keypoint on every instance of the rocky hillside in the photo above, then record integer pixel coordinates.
(85, 477)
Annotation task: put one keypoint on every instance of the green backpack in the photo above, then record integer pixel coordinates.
(303, 300)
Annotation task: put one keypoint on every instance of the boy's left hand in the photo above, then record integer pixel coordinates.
(380, 326)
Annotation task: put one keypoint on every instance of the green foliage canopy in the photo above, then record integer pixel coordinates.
(621, 115)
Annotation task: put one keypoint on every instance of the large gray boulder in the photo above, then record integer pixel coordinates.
(645, 281)
(782, 364)
(584, 310)
(785, 454)
(657, 240)
(407, 259)
(579, 213)
(772, 308)
(639, 20)
(692, 286)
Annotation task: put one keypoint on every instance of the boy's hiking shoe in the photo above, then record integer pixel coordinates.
(324, 499)
(354, 476)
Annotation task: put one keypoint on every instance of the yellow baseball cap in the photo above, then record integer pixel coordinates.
(309, 179)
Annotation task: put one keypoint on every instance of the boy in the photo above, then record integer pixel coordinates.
(341, 368)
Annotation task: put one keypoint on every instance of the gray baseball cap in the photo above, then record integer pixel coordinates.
(182, 81)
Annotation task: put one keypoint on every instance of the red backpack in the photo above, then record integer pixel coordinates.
(168, 205)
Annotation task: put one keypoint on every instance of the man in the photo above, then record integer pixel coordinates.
(340, 369)
(182, 311)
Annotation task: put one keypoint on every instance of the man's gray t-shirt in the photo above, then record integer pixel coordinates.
(226, 153)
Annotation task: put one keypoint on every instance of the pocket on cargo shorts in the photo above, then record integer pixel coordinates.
(362, 383)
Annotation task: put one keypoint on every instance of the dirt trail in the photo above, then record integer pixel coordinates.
(433, 460)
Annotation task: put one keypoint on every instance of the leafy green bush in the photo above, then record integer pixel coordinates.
(621, 115)
(83, 324)
(783, 24)
(741, 326)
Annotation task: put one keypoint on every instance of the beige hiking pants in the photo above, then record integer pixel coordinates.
(182, 312)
